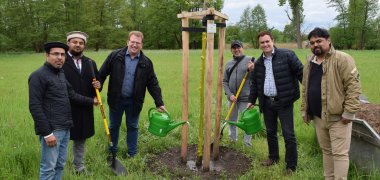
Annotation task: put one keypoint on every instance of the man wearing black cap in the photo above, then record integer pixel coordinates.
(49, 104)
(234, 73)
(80, 71)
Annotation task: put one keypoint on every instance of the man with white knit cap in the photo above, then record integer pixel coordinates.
(80, 71)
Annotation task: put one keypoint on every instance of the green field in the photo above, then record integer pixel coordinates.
(20, 148)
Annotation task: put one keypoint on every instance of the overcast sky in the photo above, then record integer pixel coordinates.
(315, 11)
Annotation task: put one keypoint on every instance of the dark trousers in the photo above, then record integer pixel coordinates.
(124, 106)
(272, 110)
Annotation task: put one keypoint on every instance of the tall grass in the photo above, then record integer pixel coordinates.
(20, 148)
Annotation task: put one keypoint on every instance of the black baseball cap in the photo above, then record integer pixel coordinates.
(236, 43)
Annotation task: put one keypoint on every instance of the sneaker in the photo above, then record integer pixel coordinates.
(269, 162)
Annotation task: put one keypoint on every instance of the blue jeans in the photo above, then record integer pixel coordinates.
(116, 114)
(53, 159)
(272, 111)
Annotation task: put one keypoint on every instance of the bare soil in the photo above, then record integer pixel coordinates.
(230, 164)
(371, 114)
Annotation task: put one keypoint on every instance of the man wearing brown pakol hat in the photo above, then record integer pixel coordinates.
(49, 104)
(79, 71)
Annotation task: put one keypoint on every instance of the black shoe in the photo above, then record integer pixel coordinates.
(269, 162)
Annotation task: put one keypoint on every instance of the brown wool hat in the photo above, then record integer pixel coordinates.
(77, 34)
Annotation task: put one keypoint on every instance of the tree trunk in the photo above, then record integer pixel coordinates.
(297, 21)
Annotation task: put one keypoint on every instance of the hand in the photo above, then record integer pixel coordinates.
(161, 109)
(233, 98)
(250, 105)
(251, 65)
(51, 141)
(345, 121)
(306, 119)
(96, 84)
(96, 102)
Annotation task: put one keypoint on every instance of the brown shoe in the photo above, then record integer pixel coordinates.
(269, 162)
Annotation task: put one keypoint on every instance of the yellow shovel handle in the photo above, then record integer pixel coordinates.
(237, 95)
(103, 115)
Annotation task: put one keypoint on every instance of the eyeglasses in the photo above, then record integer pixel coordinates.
(134, 42)
(57, 54)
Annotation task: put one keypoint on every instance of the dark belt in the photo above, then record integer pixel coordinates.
(272, 98)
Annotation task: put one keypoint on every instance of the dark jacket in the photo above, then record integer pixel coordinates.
(49, 100)
(83, 116)
(145, 78)
(287, 72)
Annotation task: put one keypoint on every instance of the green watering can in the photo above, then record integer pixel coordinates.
(160, 123)
(249, 121)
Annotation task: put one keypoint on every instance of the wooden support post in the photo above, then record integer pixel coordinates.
(215, 149)
(185, 87)
(208, 104)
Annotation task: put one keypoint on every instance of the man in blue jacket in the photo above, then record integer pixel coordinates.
(49, 104)
(131, 73)
(276, 84)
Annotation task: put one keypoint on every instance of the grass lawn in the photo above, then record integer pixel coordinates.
(20, 148)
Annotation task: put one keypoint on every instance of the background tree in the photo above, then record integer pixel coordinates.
(246, 26)
(251, 23)
(259, 22)
(339, 34)
(297, 17)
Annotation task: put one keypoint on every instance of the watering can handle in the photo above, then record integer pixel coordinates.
(151, 109)
(245, 110)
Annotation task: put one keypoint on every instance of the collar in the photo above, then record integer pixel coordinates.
(55, 70)
(238, 58)
(80, 57)
(138, 55)
(327, 56)
(271, 54)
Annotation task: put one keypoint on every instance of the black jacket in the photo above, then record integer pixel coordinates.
(287, 71)
(145, 78)
(83, 116)
(49, 100)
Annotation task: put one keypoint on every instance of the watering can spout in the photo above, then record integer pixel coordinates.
(172, 126)
(238, 124)
(160, 123)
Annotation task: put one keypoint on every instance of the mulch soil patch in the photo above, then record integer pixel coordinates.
(231, 164)
(371, 114)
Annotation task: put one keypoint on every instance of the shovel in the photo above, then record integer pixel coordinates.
(116, 166)
(233, 104)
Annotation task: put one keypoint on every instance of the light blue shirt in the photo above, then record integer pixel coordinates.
(269, 83)
(129, 75)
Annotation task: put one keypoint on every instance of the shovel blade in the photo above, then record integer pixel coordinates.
(117, 167)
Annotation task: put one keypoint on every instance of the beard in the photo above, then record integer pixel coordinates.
(75, 53)
(318, 51)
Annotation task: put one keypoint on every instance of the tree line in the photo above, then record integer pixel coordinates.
(26, 25)
(358, 24)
